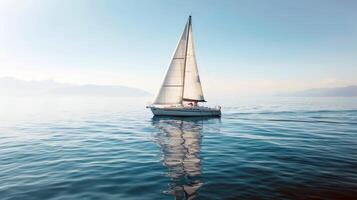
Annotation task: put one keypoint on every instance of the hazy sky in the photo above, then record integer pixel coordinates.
(242, 47)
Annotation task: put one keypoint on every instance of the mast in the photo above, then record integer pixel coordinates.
(184, 66)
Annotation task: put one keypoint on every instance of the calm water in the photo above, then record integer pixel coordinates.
(108, 148)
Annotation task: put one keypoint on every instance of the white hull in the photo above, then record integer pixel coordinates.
(186, 111)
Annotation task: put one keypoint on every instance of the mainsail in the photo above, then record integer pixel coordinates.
(182, 82)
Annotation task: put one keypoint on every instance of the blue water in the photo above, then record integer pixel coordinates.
(110, 148)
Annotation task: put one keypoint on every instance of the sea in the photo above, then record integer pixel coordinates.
(113, 148)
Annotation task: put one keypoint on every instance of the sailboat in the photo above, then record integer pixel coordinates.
(181, 91)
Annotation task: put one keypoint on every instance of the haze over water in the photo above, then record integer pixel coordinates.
(112, 148)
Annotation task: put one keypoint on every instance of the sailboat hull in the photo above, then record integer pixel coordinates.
(186, 112)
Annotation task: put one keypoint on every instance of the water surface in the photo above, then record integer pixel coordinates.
(111, 148)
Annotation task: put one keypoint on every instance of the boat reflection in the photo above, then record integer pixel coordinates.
(180, 142)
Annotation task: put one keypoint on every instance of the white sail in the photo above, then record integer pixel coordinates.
(192, 83)
(172, 87)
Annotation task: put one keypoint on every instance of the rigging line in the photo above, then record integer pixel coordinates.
(184, 67)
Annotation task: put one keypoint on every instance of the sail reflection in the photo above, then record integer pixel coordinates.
(180, 142)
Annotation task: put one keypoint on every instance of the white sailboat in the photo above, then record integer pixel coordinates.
(181, 90)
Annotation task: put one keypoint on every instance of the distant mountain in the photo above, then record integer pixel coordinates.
(15, 87)
(349, 91)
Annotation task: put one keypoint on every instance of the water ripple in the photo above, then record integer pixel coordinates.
(114, 154)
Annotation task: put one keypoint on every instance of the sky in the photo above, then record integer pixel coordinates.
(243, 47)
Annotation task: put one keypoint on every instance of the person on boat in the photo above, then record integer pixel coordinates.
(192, 104)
